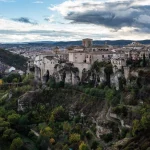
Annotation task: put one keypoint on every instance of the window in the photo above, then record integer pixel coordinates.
(102, 56)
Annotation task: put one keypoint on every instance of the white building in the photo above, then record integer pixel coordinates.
(119, 60)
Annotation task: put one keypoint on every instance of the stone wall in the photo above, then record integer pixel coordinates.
(82, 66)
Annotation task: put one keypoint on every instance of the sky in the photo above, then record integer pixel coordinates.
(71, 20)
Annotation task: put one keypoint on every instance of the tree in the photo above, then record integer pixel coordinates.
(9, 134)
(15, 80)
(14, 118)
(73, 138)
(136, 127)
(4, 124)
(65, 147)
(16, 144)
(99, 148)
(11, 77)
(108, 71)
(144, 60)
(52, 140)
(2, 111)
(94, 144)
(59, 114)
(23, 120)
(60, 84)
(83, 146)
(66, 127)
(109, 95)
(52, 82)
(47, 132)
(145, 120)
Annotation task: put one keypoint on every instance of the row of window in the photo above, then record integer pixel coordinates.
(99, 50)
(103, 56)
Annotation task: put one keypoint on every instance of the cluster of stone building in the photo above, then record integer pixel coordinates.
(81, 58)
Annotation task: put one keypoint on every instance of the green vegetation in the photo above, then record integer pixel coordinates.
(16, 144)
(63, 116)
(12, 59)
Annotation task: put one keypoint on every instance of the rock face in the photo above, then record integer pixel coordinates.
(67, 73)
(75, 73)
(25, 101)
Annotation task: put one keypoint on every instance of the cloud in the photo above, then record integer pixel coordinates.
(77, 19)
(50, 19)
(38, 2)
(24, 20)
(110, 13)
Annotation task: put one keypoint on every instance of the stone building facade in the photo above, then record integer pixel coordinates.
(72, 64)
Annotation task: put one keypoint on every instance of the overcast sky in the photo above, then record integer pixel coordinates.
(66, 20)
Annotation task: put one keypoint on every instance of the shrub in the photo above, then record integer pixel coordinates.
(11, 77)
(16, 144)
(65, 147)
(47, 132)
(74, 138)
(87, 90)
(89, 135)
(94, 145)
(92, 91)
(109, 95)
(83, 146)
(2, 111)
(99, 148)
(136, 127)
(52, 140)
(120, 110)
(124, 132)
(23, 120)
(60, 84)
(59, 114)
(145, 145)
(7, 134)
(107, 137)
(14, 118)
(66, 127)
(52, 83)
(59, 146)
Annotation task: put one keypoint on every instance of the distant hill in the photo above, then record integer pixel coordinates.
(17, 61)
(64, 44)
(97, 42)
(69, 43)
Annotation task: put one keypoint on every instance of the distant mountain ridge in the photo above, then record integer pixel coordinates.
(96, 42)
(69, 43)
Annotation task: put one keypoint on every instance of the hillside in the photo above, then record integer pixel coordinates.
(62, 116)
(17, 61)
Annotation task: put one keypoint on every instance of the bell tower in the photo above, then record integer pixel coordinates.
(87, 43)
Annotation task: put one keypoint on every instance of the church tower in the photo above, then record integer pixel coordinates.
(87, 43)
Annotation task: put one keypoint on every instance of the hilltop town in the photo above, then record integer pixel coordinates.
(79, 60)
